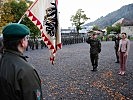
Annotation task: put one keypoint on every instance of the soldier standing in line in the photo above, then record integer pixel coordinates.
(32, 44)
(116, 39)
(42, 44)
(36, 43)
(95, 49)
(29, 43)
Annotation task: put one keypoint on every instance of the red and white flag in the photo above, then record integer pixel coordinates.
(44, 14)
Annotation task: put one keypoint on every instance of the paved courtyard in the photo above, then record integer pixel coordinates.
(71, 79)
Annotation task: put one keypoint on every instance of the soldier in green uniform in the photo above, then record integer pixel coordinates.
(95, 49)
(18, 79)
(42, 44)
(117, 40)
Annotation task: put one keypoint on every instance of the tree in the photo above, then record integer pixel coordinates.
(95, 28)
(118, 28)
(18, 9)
(115, 28)
(109, 29)
(12, 11)
(79, 19)
(6, 15)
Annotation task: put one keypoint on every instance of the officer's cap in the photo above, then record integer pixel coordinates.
(15, 30)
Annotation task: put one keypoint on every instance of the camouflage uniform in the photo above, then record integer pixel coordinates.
(95, 49)
(117, 40)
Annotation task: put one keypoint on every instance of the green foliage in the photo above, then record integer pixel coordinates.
(131, 38)
(6, 15)
(35, 32)
(18, 9)
(95, 27)
(79, 19)
(115, 29)
(109, 29)
(118, 28)
(13, 11)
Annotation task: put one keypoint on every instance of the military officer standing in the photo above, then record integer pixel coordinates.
(95, 49)
(116, 39)
(18, 79)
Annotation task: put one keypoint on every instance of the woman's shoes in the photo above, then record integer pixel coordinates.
(121, 73)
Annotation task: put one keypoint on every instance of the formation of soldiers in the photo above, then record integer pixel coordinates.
(73, 40)
(34, 44)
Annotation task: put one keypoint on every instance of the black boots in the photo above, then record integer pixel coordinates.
(94, 68)
(117, 62)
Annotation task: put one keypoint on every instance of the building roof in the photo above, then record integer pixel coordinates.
(124, 22)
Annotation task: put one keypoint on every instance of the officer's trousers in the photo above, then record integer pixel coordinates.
(94, 59)
(116, 53)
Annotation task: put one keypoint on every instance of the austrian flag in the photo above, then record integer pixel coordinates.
(44, 14)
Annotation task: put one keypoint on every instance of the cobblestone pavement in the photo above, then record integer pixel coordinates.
(71, 79)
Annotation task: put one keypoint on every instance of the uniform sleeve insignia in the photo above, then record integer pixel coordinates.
(38, 94)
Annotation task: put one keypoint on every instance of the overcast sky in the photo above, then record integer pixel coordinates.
(93, 9)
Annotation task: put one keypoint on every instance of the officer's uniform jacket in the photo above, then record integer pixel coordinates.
(117, 40)
(18, 79)
(95, 45)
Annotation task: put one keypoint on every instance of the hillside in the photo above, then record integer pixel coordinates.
(124, 12)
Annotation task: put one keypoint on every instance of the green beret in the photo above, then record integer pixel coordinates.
(15, 30)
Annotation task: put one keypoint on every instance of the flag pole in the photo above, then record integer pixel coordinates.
(21, 19)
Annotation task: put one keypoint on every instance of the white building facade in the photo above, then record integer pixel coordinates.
(127, 29)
